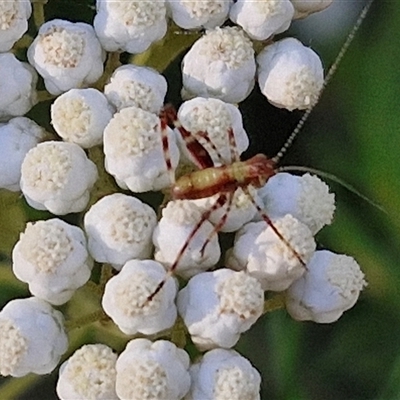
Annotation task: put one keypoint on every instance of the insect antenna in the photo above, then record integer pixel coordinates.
(333, 178)
(328, 77)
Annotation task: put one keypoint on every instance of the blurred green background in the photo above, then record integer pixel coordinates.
(354, 133)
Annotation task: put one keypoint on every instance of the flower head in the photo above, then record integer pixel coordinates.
(147, 370)
(57, 176)
(126, 298)
(330, 286)
(305, 197)
(179, 219)
(304, 8)
(88, 374)
(119, 228)
(195, 14)
(218, 306)
(262, 19)
(132, 85)
(290, 75)
(264, 255)
(224, 374)
(24, 347)
(213, 118)
(67, 55)
(134, 151)
(130, 26)
(220, 64)
(80, 116)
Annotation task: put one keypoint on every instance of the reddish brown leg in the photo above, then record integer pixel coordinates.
(165, 145)
(221, 222)
(232, 145)
(219, 203)
(200, 155)
(268, 220)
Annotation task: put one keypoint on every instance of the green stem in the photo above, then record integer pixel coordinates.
(274, 303)
(85, 320)
(38, 12)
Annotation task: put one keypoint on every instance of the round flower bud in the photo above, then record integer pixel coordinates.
(88, 374)
(304, 8)
(264, 255)
(218, 306)
(17, 87)
(14, 22)
(220, 64)
(306, 197)
(330, 286)
(32, 337)
(67, 55)
(51, 257)
(196, 14)
(241, 212)
(224, 374)
(134, 152)
(175, 229)
(290, 75)
(147, 370)
(126, 298)
(57, 176)
(119, 228)
(17, 137)
(80, 115)
(262, 19)
(213, 118)
(132, 85)
(130, 26)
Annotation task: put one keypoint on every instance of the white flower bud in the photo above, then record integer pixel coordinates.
(224, 374)
(174, 229)
(305, 197)
(32, 337)
(330, 286)
(17, 137)
(242, 209)
(88, 374)
(80, 115)
(126, 298)
(304, 8)
(218, 306)
(130, 26)
(214, 118)
(195, 14)
(134, 152)
(67, 55)
(57, 176)
(147, 370)
(119, 228)
(220, 64)
(264, 255)
(132, 85)
(290, 75)
(14, 17)
(262, 19)
(51, 256)
(17, 87)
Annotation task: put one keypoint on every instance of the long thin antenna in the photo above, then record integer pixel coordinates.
(333, 178)
(329, 75)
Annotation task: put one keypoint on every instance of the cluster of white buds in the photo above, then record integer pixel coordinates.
(274, 247)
